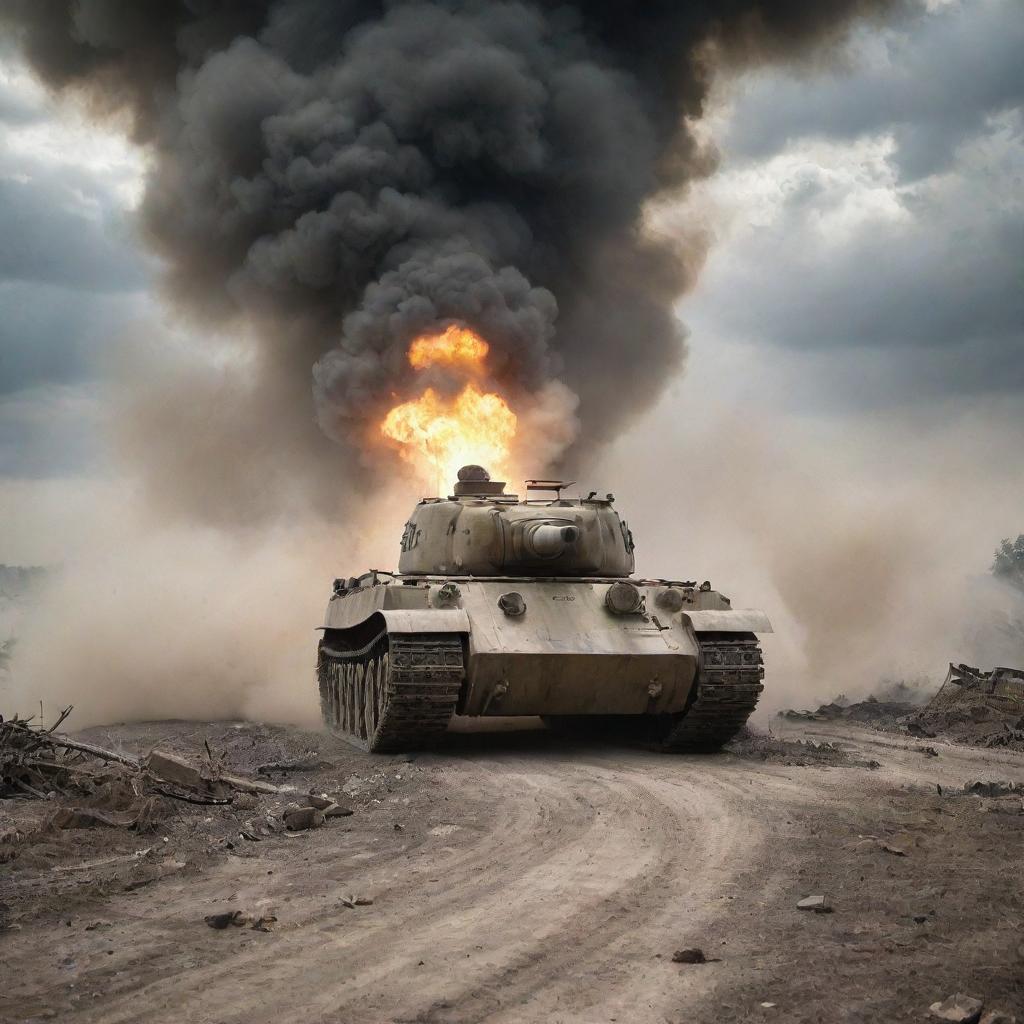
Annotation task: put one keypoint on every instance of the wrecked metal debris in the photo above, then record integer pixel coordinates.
(973, 706)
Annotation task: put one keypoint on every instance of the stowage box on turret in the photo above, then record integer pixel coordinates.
(504, 607)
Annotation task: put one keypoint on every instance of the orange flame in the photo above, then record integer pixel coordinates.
(438, 435)
(457, 346)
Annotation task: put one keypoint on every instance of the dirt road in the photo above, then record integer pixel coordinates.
(514, 878)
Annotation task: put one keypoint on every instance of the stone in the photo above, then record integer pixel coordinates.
(896, 851)
(225, 919)
(818, 904)
(997, 1017)
(298, 819)
(689, 956)
(958, 1008)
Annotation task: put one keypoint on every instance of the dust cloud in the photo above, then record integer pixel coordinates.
(155, 619)
(869, 555)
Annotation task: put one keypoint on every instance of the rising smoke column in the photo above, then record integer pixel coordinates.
(332, 178)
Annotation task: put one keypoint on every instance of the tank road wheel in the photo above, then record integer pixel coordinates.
(728, 684)
(397, 693)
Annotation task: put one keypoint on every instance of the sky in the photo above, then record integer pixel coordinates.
(856, 358)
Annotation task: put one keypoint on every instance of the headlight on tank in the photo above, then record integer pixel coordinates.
(671, 600)
(623, 598)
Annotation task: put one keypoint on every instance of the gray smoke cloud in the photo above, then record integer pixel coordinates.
(330, 179)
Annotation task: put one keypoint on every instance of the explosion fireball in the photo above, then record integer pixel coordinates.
(437, 434)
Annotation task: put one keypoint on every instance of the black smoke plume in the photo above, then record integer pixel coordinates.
(330, 178)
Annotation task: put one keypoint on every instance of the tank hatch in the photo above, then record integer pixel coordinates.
(476, 482)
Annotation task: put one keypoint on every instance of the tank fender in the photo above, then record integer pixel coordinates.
(426, 620)
(736, 620)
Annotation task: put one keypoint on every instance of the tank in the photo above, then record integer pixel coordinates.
(504, 606)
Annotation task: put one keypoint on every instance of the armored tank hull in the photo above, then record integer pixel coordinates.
(402, 653)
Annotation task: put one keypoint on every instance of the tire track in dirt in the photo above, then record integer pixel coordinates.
(536, 883)
(587, 867)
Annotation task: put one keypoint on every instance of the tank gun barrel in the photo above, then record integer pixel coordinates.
(549, 541)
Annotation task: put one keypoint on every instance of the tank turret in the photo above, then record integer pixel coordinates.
(482, 531)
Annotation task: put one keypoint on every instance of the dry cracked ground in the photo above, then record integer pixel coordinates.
(518, 876)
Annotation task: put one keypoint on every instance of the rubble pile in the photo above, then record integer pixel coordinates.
(91, 786)
(984, 709)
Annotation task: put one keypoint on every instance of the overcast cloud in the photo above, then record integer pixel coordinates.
(877, 270)
(72, 277)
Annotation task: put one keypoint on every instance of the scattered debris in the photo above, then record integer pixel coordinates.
(42, 763)
(312, 764)
(994, 789)
(689, 956)
(263, 921)
(36, 762)
(959, 1008)
(927, 751)
(356, 901)
(816, 903)
(796, 753)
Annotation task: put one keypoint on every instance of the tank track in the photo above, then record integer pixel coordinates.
(729, 677)
(397, 693)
